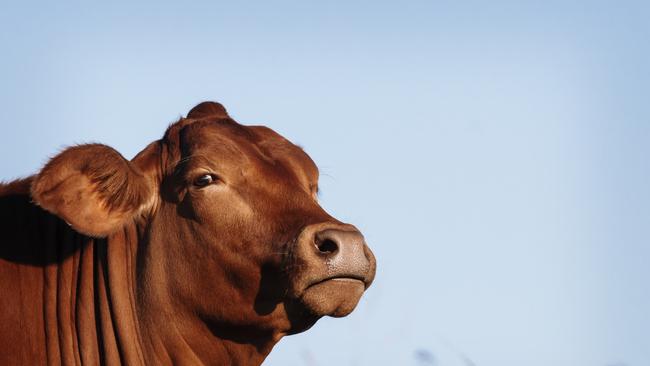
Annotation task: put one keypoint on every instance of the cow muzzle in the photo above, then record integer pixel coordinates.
(333, 266)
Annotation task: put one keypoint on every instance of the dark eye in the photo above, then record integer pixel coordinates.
(204, 180)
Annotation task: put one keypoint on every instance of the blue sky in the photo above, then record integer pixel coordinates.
(495, 154)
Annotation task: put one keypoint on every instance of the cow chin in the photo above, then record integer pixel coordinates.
(335, 297)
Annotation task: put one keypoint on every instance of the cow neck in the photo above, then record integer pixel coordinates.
(174, 334)
(96, 309)
(189, 341)
(89, 299)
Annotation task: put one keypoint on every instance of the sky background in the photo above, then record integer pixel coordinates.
(495, 154)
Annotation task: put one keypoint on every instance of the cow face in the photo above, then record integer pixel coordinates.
(231, 228)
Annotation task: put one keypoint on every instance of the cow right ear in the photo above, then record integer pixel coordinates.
(93, 188)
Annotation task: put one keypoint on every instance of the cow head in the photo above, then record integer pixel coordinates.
(230, 227)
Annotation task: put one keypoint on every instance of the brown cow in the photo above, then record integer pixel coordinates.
(206, 248)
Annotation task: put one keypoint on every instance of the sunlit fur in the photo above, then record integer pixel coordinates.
(106, 260)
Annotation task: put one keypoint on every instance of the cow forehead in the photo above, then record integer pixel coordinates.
(227, 142)
(239, 144)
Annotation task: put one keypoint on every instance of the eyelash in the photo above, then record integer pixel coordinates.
(200, 182)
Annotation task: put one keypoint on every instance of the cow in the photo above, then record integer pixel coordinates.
(206, 248)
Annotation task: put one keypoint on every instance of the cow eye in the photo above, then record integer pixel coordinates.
(204, 180)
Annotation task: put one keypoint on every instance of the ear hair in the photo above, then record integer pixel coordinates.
(93, 188)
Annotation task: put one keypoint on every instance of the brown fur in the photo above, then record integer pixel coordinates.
(105, 260)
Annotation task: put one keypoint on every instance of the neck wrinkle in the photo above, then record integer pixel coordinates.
(117, 331)
(88, 299)
(120, 265)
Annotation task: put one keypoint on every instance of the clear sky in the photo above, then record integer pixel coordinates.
(495, 154)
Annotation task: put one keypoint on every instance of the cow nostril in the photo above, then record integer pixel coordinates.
(327, 246)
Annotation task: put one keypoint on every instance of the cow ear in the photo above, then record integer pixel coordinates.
(208, 109)
(93, 188)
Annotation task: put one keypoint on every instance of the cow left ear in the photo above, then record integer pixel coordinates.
(93, 188)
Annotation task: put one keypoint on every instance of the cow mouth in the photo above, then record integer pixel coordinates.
(334, 296)
(340, 278)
